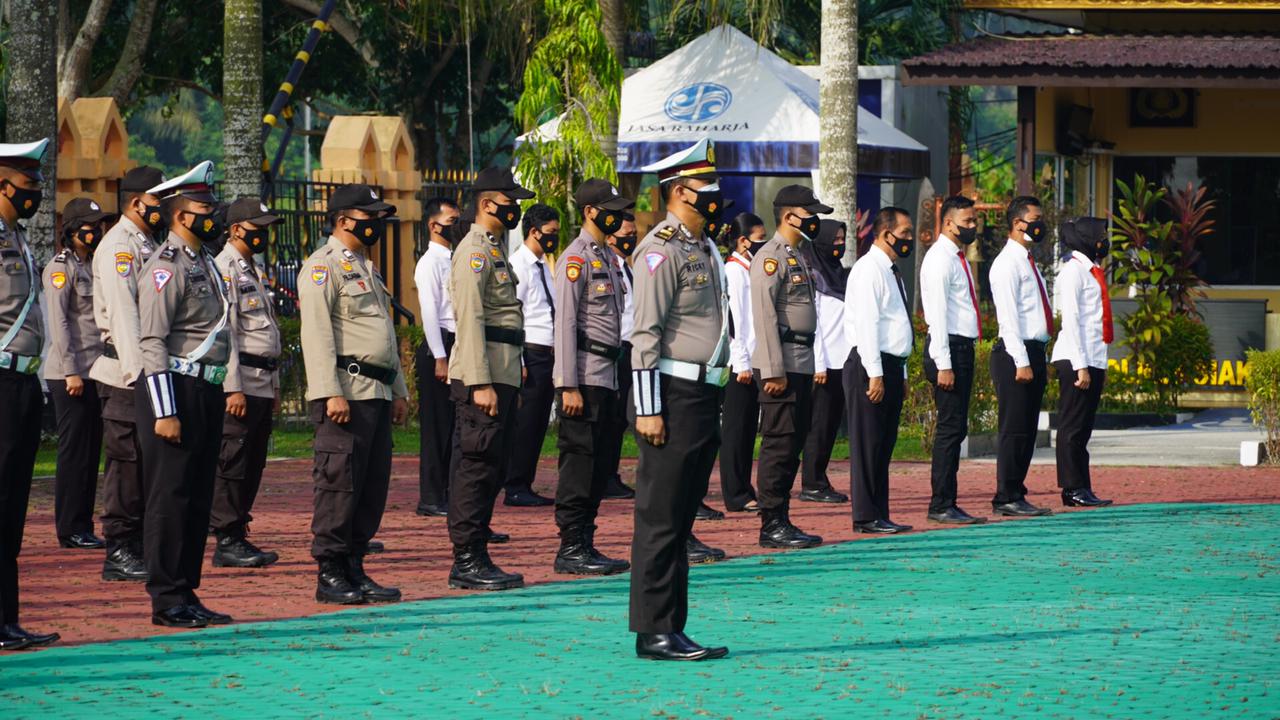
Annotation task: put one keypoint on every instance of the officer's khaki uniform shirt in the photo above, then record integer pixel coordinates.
(17, 280)
(483, 290)
(252, 320)
(588, 295)
(74, 340)
(782, 299)
(117, 264)
(679, 306)
(346, 310)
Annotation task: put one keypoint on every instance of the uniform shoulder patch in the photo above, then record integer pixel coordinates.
(477, 262)
(665, 233)
(124, 264)
(573, 267)
(58, 279)
(161, 277)
(653, 261)
(770, 266)
(319, 274)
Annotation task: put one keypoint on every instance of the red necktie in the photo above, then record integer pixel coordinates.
(972, 295)
(1044, 298)
(1108, 329)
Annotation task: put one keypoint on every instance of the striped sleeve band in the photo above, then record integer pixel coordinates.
(646, 389)
(160, 390)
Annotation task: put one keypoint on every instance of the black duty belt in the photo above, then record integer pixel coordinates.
(959, 340)
(595, 347)
(791, 336)
(386, 376)
(109, 351)
(509, 336)
(260, 362)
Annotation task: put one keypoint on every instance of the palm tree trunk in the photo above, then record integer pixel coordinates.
(838, 109)
(613, 23)
(31, 100)
(242, 98)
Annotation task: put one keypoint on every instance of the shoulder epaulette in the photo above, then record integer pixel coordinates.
(666, 233)
(61, 257)
(168, 252)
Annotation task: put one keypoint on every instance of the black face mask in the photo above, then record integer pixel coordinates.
(508, 215)
(26, 202)
(151, 217)
(837, 251)
(808, 227)
(256, 240)
(754, 247)
(446, 231)
(88, 236)
(1101, 250)
(608, 221)
(1037, 230)
(626, 244)
(902, 246)
(369, 230)
(966, 235)
(708, 203)
(205, 227)
(549, 242)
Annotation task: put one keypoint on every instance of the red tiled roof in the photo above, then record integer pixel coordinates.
(1182, 60)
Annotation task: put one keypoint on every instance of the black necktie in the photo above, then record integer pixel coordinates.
(630, 278)
(902, 290)
(542, 277)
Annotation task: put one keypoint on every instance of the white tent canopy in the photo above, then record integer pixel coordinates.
(761, 111)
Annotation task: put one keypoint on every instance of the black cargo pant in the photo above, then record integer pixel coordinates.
(1077, 410)
(533, 414)
(351, 475)
(75, 483)
(828, 413)
(20, 412)
(240, 465)
(953, 422)
(784, 425)
(481, 452)
(435, 427)
(1019, 416)
(178, 478)
(873, 431)
(584, 471)
(123, 494)
(610, 451)
(671, 481)
(738, 425)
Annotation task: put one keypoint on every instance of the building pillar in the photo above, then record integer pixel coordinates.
(1026, 149)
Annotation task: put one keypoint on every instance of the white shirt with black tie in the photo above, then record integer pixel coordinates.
(875, 314)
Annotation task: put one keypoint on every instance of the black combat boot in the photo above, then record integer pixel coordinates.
(125, 563)
(237, 551)
(776, 531)
(619, 565)
(577, 557)
(473, 570)
(369, 590)
(333, 586)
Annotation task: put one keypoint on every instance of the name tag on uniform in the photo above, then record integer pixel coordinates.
(797, 279)
(791, 261)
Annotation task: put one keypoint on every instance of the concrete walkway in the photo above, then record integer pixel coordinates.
(1212, 437)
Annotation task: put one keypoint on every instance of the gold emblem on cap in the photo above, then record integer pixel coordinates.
(711, 153)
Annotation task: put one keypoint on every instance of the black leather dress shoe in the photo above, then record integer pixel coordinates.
(497, 538)
(14, 630)
(1020, 508)
(124, 563)
(674, 646)
(373, 547)
(429, 510)
(214, 617)
(370, 590)
(82, 541)
(10, 641)
(1083, 497)
(751, 506)
(706, 512)
(526, 498)
(699, 552)
(878, 527)
(615, 489)
(827, 495)
(955, 516)
(179, 616)
(231, 551)
(776, 531)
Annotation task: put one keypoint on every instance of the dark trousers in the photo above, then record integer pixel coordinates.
(240, 464)
(610, 449)
(1077, 410)
(828, 412)
(178, 479)
(952, 424)
(532, 417)
(123, 494)
(784, 426)
(20, 412)
(738, 425)
(352, 473)
(873, 431)
(670, 483)
(75, 484)
(1019, 416)
(435, 427)
(583, 472)
(481, 450)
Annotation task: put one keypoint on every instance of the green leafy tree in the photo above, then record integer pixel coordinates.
(572, 74)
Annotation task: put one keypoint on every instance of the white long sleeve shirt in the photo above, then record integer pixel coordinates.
(628, 304)
(1015, 288)
(1080, 297)
(737, 273)
(948, 298)
(532, 292)
(431, 275)
(875, 315)
(831, 346)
